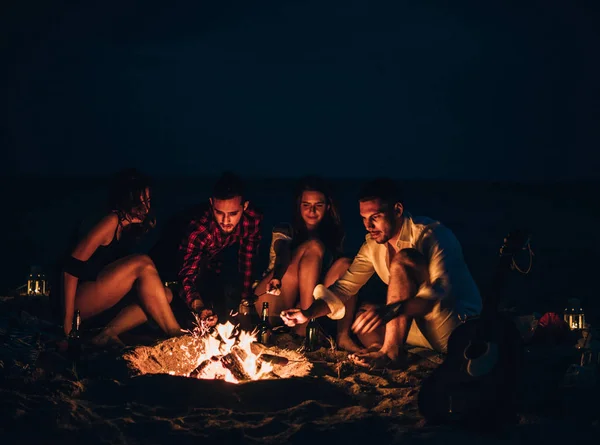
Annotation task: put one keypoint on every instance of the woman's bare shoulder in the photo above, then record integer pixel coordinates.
(105, 228)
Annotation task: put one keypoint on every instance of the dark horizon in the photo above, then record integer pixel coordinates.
(290, 178)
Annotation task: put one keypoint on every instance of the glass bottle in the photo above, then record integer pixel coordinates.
(247, 315)
(75, 337)
(264, 327)
(311, 341)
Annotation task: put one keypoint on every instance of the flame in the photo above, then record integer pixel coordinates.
(226, 342)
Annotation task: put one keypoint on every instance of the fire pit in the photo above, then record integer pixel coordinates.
(226, 353)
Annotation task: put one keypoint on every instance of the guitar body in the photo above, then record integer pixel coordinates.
(477, 384)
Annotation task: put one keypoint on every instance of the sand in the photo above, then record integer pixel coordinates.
(47, 398)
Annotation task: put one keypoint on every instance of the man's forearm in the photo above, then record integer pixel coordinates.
(318, 309)
(189, 293)
(418, 307)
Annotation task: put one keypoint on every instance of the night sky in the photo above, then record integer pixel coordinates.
(419, 89)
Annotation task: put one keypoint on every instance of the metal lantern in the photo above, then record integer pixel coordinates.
(36, 282)
(574, 315)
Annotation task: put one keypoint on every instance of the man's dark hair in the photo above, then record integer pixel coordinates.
(228, 186)
(384, 189)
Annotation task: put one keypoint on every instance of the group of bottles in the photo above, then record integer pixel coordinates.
(311, 342)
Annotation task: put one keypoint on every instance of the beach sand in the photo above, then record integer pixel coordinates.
(48, 399)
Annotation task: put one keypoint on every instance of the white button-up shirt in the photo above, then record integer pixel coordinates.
(450, 283)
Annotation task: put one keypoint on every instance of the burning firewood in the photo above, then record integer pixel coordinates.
(274, 359)
(235, 366)
(198, 370)
(239, 352)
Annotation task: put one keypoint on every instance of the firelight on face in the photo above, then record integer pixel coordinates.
(376, 221)
(312, 208)
(228, 212)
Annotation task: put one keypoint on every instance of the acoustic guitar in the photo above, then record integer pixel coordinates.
(477, 384)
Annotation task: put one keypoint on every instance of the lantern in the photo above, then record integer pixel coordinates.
(574, 314)
(36, 282)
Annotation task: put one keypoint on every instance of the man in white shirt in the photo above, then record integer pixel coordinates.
(422, 263)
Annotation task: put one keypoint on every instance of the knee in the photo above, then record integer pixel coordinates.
(143, 263)
(313, 247)
(412, 263)
(169, 294)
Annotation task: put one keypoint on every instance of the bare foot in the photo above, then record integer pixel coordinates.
(345, 342)
(106, 338)
(377, 360)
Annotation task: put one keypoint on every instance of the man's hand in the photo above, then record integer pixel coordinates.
(367, 321)
(206, 315)
(274, 286)
(292, 317)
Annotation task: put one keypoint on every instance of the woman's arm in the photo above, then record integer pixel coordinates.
(100, 235)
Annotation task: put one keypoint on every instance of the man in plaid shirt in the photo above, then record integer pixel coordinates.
(226, 220)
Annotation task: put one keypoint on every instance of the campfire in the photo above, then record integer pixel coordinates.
(224, 352)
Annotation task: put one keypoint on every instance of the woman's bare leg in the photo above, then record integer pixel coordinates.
(277, 303)
(300, 279)
(130, 317)
(116, 281)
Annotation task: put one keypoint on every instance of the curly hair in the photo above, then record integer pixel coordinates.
(125, 197)
(330, 230)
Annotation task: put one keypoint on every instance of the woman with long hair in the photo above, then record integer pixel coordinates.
(101, 270)
(305, 253)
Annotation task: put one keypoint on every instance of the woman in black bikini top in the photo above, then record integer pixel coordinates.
(100, 270)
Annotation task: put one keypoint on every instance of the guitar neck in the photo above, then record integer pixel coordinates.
(493, 295)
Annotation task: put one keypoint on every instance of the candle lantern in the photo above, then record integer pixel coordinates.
(574, 315)
(36, 282)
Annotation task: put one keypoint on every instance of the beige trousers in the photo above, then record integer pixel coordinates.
(433, 330)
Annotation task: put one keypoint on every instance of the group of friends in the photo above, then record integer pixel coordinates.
(308, 274)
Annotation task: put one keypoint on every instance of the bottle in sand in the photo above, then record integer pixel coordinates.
(75, 337)
(311, 341)
(247, 315)
(264, 327)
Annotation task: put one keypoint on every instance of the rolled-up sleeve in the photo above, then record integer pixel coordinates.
(357, 275)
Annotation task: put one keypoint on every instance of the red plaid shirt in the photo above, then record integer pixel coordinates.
(205, 240)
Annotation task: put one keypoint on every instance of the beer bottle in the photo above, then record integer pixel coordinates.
(311, 341)
(247, 315)
(75, 337)
(264, 327)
